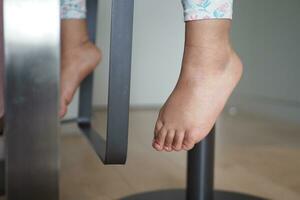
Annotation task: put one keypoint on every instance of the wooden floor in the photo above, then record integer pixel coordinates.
(253, 155)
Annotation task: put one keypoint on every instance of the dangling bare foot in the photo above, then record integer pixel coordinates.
(79, 58)
(210, 72)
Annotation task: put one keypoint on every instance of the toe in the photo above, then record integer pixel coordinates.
(178, 139)
(160, 139)
(63, 109)
(188, 141)
(157, 128)
(66, 97)
(169, 140)
(158, 125)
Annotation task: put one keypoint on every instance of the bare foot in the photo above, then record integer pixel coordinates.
(77, 62)
(207, 79)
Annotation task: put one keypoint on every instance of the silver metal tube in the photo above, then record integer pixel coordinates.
(32, 61)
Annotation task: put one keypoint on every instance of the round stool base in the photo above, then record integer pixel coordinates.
(180, 195)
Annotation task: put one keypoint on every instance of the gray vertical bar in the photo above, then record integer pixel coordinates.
(2, 166)
(119, 78)
(32, 61)
(201, 169)
(114, 149)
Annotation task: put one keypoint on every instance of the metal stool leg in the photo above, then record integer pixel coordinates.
(200, 178)
(113, 149)
(201, 169)
(2, 169)
(32, 63)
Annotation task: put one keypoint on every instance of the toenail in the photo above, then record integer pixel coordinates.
(176, 149)
(157, 145)
(156, 142)
(168, 148)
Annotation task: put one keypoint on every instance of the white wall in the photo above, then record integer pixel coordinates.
(265, 33)
(157, 50)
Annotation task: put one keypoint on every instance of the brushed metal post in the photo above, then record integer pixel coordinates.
(32, 61)
(2, 170)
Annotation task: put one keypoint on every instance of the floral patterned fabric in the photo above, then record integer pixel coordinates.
(207, 9)
(193, 9)
(73, 9)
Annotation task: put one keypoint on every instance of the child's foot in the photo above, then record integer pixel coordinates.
(77, 62)
(206, 81)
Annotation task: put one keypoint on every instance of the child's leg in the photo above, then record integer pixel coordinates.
(79, 55)
(210, 71)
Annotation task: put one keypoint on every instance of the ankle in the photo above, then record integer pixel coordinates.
(213, 58)
(207, 32)
(207, 45)
(74, 33)
(210, 64)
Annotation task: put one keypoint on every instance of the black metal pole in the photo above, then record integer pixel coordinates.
(200, 175)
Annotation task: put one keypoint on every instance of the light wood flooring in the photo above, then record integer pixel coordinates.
(253, 155)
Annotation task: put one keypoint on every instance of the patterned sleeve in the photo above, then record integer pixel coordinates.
(73, 9)
(207, 9)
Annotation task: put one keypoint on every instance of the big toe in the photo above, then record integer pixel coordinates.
(67, 93)
(63, 109)
(189, 140)
(159, 139)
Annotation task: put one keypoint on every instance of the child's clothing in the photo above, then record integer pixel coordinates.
(193, 9)
(73, 9)
(207, 9)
